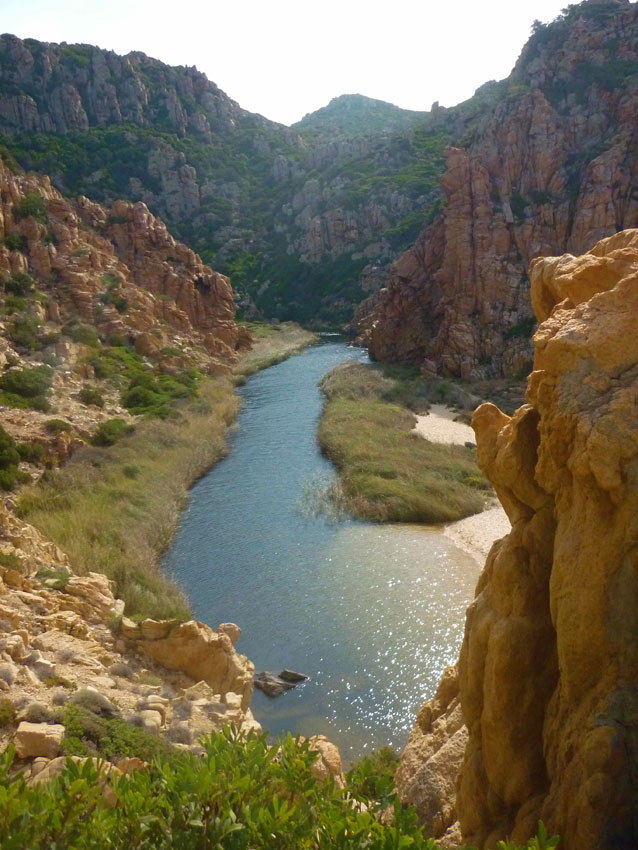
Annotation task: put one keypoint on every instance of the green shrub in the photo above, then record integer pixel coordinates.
(7, 712)
(15, 242)
(23, 333)
(31, 205)
(89, 395)
(154, 396)
(59, 681)
(373, 775)
(31, 452)
(9, 460)
(8, 559)
(85, 335)
(241, 794)
(56, 426)
(109, 432)
(19, 284)
(29, 383)
(15, 304)
(58, 579)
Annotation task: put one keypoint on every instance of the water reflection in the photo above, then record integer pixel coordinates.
(372, 613)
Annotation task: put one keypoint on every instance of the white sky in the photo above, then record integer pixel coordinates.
(283, 58)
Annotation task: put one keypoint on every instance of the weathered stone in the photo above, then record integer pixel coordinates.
(38, 739)
(201, 653)
(548, 667)
(271, 684)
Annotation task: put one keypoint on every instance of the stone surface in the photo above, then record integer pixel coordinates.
(33, 740)
(329, 761)
(548, 671)
(272, 685)
(429, 765)
(195, 649)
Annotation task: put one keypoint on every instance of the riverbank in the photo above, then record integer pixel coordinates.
(272, 344)
(474, 534)
(115, 509)
(387, 473)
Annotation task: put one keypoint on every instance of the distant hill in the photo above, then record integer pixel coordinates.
(357, 115)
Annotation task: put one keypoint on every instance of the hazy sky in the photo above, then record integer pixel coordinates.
(284, 58)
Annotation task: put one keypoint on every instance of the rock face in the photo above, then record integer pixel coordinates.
(552, 168)
(548, 671)
(195, 649)
(259, 196)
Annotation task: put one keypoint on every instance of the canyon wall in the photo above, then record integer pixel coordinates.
(547, 680)
(552, 168)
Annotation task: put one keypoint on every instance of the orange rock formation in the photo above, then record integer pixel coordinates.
(548, 671)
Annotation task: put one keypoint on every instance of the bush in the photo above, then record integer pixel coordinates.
(85, 335)
(94, 702)
(29, 383)
(8, 559)
(7, 673)
(31, 205)
(58, 579)
(7, 712)
(57, 426)
(109, 432)
(89, 395)
(9, 460)
(15, 242)
(31, 452)
(19, 284)
(23, 333)
(241, 794)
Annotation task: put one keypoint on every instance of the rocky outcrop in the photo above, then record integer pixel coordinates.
(552, 168)
(548, 671)
(60, 642)
(195, 649)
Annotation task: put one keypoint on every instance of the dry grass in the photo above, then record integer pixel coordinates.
(273, 343)
(389, 474)
(115, 510)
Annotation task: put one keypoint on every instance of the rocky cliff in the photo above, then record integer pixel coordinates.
(541, 721)
(341, 192)
(551, 167)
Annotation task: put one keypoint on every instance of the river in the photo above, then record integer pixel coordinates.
(372, 613)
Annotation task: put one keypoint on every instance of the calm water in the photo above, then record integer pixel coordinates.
(371, 613)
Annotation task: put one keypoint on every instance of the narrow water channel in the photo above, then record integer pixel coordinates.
(371, 613)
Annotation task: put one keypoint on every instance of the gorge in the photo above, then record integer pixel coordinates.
(439, 238)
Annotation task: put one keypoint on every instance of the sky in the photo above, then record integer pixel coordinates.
(284, 59)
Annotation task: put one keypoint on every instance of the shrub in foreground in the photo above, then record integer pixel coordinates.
(241, 794)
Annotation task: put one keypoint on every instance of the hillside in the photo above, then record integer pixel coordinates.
(357, 115)
(302, 219)
(552, 166)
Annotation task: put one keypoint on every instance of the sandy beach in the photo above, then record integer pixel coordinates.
(474, 534)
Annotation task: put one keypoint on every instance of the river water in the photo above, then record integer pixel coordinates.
(371, 613)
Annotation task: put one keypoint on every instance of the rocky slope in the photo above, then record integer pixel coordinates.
(540, 720)
(339, 193)
(551, 167)
(61, 643)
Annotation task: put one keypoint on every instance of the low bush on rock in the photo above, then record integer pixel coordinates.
(89, 395)
(26, 387)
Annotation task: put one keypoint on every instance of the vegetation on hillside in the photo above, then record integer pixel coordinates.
(388, 473)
